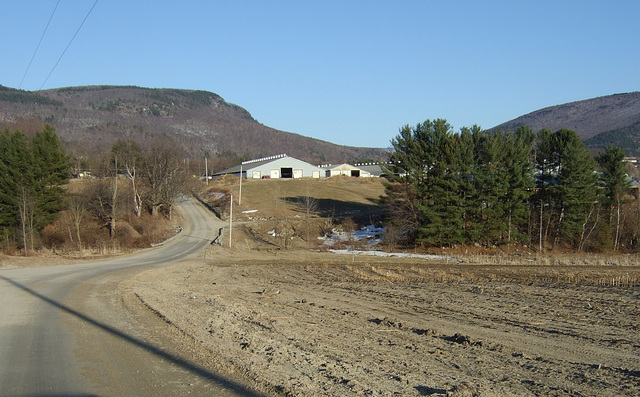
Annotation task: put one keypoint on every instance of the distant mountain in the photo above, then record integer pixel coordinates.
(612, 119)
(95, 116)
(627, 138)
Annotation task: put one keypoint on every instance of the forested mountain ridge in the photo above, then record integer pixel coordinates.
(89, 119)
(92, 118)
(612, 119)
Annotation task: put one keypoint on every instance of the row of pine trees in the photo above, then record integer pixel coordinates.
(544, 190)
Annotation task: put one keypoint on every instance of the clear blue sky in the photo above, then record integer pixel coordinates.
(349, 72)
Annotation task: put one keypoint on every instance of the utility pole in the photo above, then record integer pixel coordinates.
(230, 219)
(206, 168)
(240, 193)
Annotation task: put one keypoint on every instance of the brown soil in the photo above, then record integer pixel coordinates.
(306, 324)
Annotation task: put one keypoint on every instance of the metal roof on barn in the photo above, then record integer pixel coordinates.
(252, 164)
(247, 166)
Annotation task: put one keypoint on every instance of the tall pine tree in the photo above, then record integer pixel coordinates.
(32, 173)
(567, 187)
(517, 178)
(51, 171)
(616, 184)
(429, 158)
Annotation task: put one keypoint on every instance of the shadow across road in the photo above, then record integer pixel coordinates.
(185, 364)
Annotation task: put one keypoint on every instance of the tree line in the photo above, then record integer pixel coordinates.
(130, 182)
(541, 189)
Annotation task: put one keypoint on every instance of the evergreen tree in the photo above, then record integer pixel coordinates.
(51, 170)
(31, 175)
(469, 191)
(490, 213)
(8, 214)
(17, 192)
(616, 184)
(440, 205)
(516, 176)
(428, 158)
(546, 165)
(567, 190)
(578, 182)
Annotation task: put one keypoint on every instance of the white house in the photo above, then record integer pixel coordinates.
(280, 166)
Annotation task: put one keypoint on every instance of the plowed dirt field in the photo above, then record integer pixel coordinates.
(315, 324)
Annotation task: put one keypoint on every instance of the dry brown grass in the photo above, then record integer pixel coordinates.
(272, 195)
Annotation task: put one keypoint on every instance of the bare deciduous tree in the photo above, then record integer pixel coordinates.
(77, 208)
(164, 176)
(26, 212)
(103, 203)
(129, 155)
(310, 205)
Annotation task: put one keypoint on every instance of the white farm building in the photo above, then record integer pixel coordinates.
(345, 169)
(359, 170)
(281, 166)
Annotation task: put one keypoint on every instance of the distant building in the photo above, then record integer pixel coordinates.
(359, 170)
(345, 169)
(280, 166)
(374, 169)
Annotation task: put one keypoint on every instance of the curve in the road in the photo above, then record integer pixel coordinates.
(39, 353)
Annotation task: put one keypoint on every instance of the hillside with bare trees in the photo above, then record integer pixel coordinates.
(90, 119)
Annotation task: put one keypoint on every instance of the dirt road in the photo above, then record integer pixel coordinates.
(64, 332)
(420, 328)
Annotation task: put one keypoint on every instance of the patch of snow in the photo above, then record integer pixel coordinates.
(390, 254)
(371, 233)
(368, 232)
(216, 195)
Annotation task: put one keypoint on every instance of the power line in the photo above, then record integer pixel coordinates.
(70, 41)
(40, 42)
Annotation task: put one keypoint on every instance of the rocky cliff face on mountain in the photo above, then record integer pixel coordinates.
(612, 119)
(93, 117)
